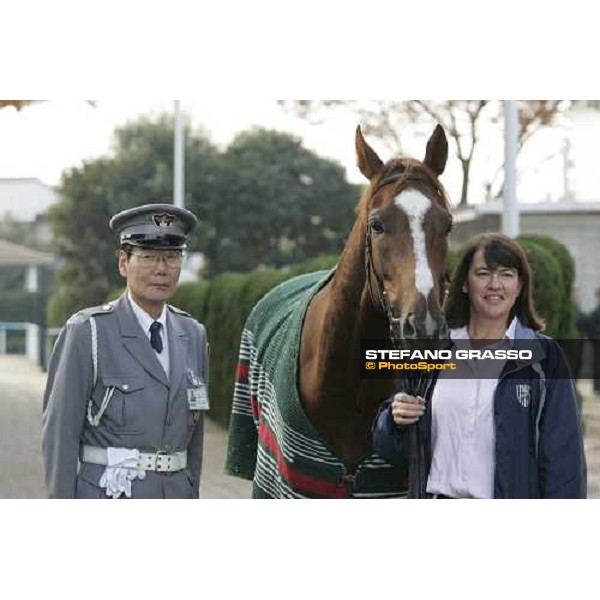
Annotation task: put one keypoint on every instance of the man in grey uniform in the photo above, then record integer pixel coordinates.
(127, 382)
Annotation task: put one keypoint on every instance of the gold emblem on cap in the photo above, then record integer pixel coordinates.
(163, 219)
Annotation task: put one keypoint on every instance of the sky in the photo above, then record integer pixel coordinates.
(44, 139)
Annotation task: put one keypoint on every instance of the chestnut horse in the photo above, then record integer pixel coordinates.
(404, 217)
(301, 412)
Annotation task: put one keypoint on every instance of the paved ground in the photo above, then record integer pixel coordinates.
(591, 424)
(21, 386)
(21, 389)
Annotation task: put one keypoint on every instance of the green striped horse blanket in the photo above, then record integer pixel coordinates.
(271, 440)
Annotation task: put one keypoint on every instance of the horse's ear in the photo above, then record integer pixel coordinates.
(436, 154)
(368, 162)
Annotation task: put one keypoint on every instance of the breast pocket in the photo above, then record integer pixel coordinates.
(196, 397)
(115, 401)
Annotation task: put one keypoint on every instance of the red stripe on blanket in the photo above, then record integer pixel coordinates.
(254, 405)
(241, 373)
(295, 478)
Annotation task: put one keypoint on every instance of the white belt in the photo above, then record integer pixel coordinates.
(160, 461)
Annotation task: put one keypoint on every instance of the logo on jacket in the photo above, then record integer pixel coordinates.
(524, 394)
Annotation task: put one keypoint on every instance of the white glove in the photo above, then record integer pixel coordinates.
(120, 471)
(112, 480)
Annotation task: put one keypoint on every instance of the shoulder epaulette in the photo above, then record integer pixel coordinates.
(85, 313)
(178, 311)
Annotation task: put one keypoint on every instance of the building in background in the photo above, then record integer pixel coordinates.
(23, 206)
(32, 331)
(25, 198)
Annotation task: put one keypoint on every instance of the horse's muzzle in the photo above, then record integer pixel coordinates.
(432, 326)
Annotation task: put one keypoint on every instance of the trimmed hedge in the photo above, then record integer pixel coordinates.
(55, 311)
(18, 307)
(548, 285)
(453, 258)
(568, 310)
(565, 330)
(223, 305)
(560, 253)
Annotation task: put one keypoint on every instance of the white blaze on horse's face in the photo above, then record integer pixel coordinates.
(415, 205)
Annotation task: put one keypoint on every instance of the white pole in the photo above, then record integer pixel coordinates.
(32, 279)
(510, 220)
(179, 159)
(32, 342)
(567, 165)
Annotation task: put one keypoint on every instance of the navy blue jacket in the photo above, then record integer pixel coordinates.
(539, 448)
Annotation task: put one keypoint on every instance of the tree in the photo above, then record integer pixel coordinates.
(462, 120)
(18, 104)
(533, 116)
(139, 172)
(264, 201)
(283, 204)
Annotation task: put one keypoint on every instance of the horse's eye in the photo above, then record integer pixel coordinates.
(377, 226)
(449, 227)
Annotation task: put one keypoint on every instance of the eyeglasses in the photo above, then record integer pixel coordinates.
(148, 259)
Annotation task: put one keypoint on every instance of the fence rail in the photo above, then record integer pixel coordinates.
(35, 338)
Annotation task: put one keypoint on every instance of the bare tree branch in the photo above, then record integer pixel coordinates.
(18, 104)
(460, 118)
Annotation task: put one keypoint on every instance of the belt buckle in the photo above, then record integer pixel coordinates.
(158, 462)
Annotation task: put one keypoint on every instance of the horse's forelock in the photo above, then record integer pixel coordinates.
(410, 167)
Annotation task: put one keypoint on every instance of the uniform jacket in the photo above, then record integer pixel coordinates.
(539, 447)
(148, 411)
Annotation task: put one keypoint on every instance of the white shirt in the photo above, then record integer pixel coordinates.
(145, 320)
(462, 431)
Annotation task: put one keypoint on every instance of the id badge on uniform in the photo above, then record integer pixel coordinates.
(197, 398)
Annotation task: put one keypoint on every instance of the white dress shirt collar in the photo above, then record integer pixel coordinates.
(144, 319)
(462, 333)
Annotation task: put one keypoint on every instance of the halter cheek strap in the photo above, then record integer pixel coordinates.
(381, 299)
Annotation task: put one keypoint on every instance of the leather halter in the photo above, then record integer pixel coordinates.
(381, 299)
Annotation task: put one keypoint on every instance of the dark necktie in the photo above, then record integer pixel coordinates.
(155, 339)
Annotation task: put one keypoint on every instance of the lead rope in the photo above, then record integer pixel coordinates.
(94, 420)
(417, 384)
(416, 444)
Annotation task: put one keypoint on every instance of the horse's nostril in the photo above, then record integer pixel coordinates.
(408, 329)
(443, 330)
